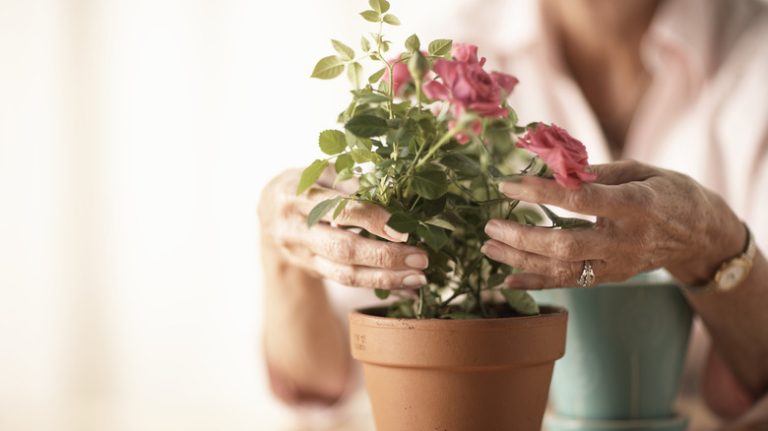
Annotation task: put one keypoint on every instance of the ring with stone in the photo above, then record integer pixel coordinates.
(587, 278)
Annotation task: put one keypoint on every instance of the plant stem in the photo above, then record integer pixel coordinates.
(442, 141)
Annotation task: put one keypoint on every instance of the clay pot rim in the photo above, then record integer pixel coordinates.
(550, 315)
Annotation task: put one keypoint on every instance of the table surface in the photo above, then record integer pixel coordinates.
(357, 417)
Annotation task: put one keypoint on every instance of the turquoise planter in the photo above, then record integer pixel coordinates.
(625, 350)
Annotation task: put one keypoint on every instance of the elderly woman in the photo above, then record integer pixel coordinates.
(681, 85)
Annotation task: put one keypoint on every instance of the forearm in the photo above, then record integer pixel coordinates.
(305, 343)
(738, 324)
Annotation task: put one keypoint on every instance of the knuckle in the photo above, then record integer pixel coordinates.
(567, 248)
(383, 257)
(341, 251)
(564, 275)
(637, 198)
(578, 198)
(511, 232)
(343, 275)
(387, 281)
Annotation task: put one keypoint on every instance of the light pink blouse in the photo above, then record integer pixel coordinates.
(705, 113)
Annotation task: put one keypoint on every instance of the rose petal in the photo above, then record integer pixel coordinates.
(436, 91)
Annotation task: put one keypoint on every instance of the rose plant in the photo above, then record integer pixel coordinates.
(429, 136)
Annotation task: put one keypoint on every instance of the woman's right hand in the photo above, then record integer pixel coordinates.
(333, 252)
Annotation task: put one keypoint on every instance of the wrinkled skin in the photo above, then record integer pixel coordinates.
(647, 218)
(331, 252)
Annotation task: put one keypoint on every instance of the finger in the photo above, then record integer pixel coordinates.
(531, 262)
(623, 171)
(328, 179)
(359, 276)
(364, 215)
(565, 278)
(595, 199)
(352, 249)
(562, 244)
(556, 272)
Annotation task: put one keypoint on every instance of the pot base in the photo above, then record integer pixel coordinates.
(560, 423)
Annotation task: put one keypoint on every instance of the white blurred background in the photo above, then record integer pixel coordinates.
(135, 136)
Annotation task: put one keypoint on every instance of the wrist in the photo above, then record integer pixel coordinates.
(723, 240)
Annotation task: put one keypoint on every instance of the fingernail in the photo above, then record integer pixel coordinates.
(417, 261)
(512, 281)
(395, 235)
(415, 280)
(492, 228)
(491, 251)
(510, 188)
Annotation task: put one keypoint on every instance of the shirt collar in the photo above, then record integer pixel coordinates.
(682, 31)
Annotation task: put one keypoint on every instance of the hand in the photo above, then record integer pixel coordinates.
(647, 218)
(332, 252)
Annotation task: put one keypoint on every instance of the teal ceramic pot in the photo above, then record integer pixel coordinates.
(625, 351)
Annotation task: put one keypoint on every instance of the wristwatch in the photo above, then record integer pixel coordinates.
(732, 272)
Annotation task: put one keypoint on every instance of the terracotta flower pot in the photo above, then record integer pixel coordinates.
(458, 375)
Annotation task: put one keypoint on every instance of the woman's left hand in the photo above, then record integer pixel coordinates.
(647, 218)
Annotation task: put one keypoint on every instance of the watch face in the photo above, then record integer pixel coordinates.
(733, 275)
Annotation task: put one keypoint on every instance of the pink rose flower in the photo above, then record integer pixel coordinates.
(402, 76)
(476, 127)
(506, 82)
(565, 155)
(468, 87)
(466, 53)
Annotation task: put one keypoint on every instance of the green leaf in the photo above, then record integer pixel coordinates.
(520, 301)
(412, 44)
(554, 218)
(310, 175)
(403, 223)
(575, 223)
(328, 68)
(440, 47)
(364, 44)
(345, 52)
(498, 134)
(381, 293)
(439, 222)
(407, 132)
(371, 98)
(496, 279)
(332, 142)
(361, 155)
(355, 142)
(529, 214)
(343, 175)
(435, 237)
(391, 19)
(340, 207)
(402, 308)
(321, 209)
(460, 315)
(418, 64)
(379, 5)
(430, 184)
(377, 76)
(354, 73)
(461, 164)
(344, 161)
(565, 222)
(367, 126)
(371, 15)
